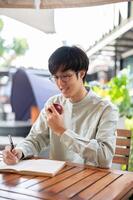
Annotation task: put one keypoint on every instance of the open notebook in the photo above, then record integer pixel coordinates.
(39, 167)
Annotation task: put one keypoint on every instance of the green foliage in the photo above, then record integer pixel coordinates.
(9, 52)
(129, 123)
(117, 91)
(2, 46)
(20, 46)
(1, 24)
(119, 94)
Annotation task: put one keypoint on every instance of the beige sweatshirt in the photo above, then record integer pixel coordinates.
(90, 136)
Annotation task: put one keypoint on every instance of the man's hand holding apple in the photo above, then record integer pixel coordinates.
(55, 118)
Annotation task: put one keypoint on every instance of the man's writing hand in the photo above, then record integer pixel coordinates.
(11, 157)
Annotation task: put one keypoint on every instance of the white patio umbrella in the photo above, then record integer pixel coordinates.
(40, 19)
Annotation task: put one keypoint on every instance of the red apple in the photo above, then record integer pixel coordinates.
(58, 107)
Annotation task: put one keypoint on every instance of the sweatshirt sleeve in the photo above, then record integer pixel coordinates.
(37, 139)
(98, 151)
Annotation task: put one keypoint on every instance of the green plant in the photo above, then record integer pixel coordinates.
(117, 91)
(119, 95)
(9, 52)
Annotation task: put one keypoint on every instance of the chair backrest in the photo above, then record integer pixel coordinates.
(122, 151)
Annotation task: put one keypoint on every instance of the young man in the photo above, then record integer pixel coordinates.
(85, 131)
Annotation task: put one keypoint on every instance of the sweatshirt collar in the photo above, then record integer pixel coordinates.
(88, 98)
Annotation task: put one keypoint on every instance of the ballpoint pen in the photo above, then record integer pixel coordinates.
(11, 142)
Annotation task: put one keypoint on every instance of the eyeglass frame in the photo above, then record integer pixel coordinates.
(64, 78)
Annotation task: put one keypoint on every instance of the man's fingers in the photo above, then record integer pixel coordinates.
(7, 154)
(48, 109)
(14, 152)
(54, 109)
(8, 148)
(51, 109)
(10, 161)
(11, 157)
(17, 153)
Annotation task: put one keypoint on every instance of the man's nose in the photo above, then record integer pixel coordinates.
(60, 81)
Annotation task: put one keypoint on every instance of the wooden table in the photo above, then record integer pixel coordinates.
(75, 182)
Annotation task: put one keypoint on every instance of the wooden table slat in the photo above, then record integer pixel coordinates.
(38, 179)
(31, 182)
(73, 179)
(43, 185)
(15, 196)
(8, 177)
(116, 189)
(99, 185)
(15, 180)
(29, 193)
(130, 194)
(83, 184)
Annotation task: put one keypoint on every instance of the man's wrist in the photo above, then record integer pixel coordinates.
(62, 130)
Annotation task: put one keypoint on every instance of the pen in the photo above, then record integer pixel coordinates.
(11, 142)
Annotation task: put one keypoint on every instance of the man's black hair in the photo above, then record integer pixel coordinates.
(68, 58)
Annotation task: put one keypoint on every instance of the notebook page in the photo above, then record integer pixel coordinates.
(39, 165)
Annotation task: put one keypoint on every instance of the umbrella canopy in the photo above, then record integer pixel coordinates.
(40, 19)
(45, 4)
(42, 88)
(29, 90)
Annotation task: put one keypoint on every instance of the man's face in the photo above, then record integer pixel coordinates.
(69, 83)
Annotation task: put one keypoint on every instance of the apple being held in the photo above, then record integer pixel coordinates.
(58, 107)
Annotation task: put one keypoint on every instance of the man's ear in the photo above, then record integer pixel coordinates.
(82, 74)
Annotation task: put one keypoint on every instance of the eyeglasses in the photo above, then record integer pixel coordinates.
(64, 78)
